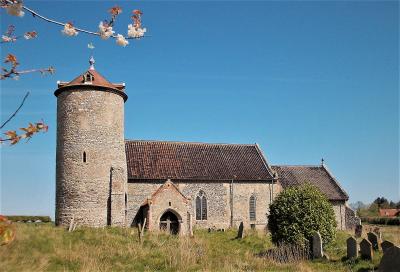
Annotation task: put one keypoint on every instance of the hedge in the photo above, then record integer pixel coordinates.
(394, 221)
(26, 218)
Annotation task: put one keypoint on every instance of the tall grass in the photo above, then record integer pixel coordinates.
(43, 247)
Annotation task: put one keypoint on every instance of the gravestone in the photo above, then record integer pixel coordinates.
(317, 246)
(366, 249)
(373, 238)
(352, 248)
(378, 232)
(240, 234)
(386, 245)
(358, 231)
(390, 261)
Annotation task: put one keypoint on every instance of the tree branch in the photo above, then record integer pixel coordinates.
(35, 14)
(15, 113)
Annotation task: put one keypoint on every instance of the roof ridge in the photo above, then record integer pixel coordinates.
(296, 165)
(335, 180)
(183, 142)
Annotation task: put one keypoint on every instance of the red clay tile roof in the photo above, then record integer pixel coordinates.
(389, 212)
(98, 81)
(195, 161)
(319, 176)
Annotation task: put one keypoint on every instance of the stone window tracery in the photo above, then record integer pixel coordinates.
(201, 206)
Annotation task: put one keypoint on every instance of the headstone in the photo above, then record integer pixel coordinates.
(366, 249)
(390, 261)
(352, 248)
(240, 234)
(378, 233)
(386, 245)
(358, 231)
(317, 246)
(373, 238)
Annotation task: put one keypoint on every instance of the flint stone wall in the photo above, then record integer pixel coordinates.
(88, 121)
(339, 207)
(218, 201)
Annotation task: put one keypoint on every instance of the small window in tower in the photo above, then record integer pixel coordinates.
(88, 78)
(84, 156)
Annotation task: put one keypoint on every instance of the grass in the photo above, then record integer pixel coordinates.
(43, 247)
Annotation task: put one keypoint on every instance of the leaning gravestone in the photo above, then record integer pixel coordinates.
(366, 249)
(390, 261)
(386, 245)
(317, 246)
(358, 231)
(352, 248)
(373, 238)
(240, 234)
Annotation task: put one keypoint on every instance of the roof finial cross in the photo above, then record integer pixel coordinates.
(322, 161)
(91, 62)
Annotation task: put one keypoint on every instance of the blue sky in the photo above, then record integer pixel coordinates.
(305, 80)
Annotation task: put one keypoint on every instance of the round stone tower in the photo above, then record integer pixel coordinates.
(91, 176)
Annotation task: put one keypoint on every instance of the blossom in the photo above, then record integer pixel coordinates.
(15, 9)
(121, 40)
(135, 32)
(30, 35)
(105, 31)
(116, 10)
(6, 38)
(69, 30)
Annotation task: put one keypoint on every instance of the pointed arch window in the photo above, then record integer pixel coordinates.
(84, 158)
(88, 78)
(201, 206)
(252, 207)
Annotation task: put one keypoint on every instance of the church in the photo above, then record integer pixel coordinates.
(104, 179)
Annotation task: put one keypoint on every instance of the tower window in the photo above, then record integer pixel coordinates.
(201, 206)
(84, 156)
(88, 78)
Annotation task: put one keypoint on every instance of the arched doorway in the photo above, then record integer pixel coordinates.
(169, 222)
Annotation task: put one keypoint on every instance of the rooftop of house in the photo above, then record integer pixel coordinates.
(195, 161)
(162, 160)
(317, 175)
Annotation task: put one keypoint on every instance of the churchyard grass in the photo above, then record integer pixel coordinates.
(43, 247)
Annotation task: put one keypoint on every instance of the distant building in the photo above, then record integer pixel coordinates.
(389, 212)
(103, 179)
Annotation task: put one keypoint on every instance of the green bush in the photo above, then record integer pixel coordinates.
(26, 218)
(393, 221)
(298, 212)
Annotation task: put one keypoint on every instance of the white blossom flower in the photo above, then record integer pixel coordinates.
(134, 32)
(5, 38)
(15, 9)
(105, 31)
(69, 30)
(121, 40)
